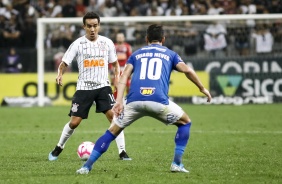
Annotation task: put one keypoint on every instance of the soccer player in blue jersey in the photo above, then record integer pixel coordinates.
(150, 67)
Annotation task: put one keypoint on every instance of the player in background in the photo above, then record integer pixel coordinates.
(124, 50)
(151, 67)
(93, 53)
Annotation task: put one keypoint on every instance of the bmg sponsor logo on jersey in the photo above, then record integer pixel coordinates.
(93, 62)
(147, 91)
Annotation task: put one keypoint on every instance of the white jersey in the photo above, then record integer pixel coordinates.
(92, 60)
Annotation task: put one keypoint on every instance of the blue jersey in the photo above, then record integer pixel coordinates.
(152, 67)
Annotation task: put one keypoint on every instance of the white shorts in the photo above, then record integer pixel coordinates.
(168, 114)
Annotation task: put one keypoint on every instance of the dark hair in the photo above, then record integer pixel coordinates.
(155, 33)
(91, 15)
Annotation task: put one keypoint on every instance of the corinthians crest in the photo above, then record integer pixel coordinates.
(102, 46)
(74, 107)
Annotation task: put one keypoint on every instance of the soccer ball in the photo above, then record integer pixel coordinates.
(84, 150)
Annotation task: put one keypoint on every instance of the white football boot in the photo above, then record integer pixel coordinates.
(178, 168)
(83, 170)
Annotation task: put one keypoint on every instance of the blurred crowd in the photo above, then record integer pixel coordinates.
(18, 23)
(18, 17)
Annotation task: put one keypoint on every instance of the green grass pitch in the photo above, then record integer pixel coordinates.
(228, 144)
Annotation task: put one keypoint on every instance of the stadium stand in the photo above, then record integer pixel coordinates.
(18, 26)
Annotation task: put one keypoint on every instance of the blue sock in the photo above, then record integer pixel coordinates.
(101, 146)
(181, 140)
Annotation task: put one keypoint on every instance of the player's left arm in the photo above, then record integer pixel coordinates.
(116, 72)
(129, 50)
(126, 73)
(118, 107)
(192, 76)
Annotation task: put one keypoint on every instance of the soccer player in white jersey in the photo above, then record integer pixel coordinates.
(151, 67)
(93, 53)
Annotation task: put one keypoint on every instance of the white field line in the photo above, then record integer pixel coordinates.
(143, 132)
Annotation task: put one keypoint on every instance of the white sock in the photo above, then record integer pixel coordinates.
(66, 133)
(120, 142)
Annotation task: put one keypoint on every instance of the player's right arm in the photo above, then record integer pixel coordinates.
(192, 76)
(61, 70)
(67, 59)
